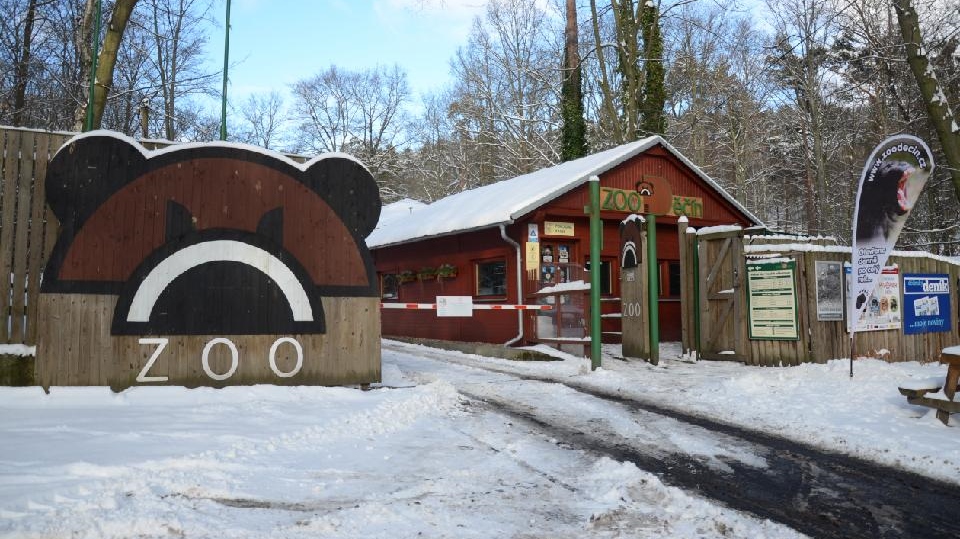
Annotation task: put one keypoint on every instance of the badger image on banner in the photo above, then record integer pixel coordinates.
(890, 185)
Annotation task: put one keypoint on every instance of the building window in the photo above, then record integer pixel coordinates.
(389, 288)
(669, 278)
(492, 278)
(605, 276)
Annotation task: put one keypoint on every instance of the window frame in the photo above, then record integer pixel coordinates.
(604, 261)
(476, 279)
(668, 283)
(383, 286)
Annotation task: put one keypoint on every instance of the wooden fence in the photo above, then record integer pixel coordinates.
(27, 228)
(721, 309)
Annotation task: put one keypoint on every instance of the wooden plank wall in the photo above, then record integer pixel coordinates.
(821, 341)
(688, 276)
(27, 228)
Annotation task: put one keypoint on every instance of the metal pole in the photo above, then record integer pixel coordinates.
(596, 237)
(653, 290)
(226, 62)
(88, 124)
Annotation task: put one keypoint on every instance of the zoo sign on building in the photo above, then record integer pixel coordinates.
(213, 264)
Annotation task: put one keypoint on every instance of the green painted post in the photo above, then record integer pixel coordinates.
(226, 61)
(653, 289)
(88, 124)
(596, 237)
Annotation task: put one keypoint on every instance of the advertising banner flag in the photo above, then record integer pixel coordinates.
(890, 185)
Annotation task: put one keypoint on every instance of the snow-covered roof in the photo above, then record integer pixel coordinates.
(398, 210)
(505, 201)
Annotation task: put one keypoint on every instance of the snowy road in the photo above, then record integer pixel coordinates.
(461, 446)
(820, 494)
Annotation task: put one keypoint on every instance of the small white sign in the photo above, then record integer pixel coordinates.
(533, 233)
(454, 305)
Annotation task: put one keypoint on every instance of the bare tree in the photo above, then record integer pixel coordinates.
(944, 121)
(177, 30)
(506, 91)
(805, 30)
(263, 119)
(356, 112)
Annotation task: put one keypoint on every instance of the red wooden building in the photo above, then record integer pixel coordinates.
(476, 243)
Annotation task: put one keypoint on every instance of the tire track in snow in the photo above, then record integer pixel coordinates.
(818, 493)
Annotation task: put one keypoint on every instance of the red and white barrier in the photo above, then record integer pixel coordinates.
(496, 307)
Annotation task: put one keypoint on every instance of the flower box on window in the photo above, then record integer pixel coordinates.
(446, 271)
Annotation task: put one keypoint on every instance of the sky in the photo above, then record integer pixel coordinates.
(423, 455)
(272, 47)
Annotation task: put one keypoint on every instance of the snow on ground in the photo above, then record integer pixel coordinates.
(420, 457)
(818, 404)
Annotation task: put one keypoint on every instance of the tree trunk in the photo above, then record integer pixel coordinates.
(627, 27)
(653, 121)
(23, 66)
(938, 108)
(106, 59)
(83, 39)
(574, 130)
(605, 88)
(108, 56)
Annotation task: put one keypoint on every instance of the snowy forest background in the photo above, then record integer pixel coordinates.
(780, 101)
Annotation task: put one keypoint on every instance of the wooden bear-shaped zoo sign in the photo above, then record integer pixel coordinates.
(207, 264)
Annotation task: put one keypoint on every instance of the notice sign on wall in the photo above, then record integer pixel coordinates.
(772, 300)
(882, 310)
(926, 303)
(454, 305)
(557, 228)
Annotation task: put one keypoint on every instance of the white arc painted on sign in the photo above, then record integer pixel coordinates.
(195, 255)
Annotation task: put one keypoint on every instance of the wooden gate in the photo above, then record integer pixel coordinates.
(722, 328)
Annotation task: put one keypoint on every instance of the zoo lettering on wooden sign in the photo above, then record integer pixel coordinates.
(204, 250)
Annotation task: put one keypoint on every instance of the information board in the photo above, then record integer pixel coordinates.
(772, 300)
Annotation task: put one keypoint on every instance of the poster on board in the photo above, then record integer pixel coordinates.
(829, 291)
(883, 310)
(772, 300)
(926, 303)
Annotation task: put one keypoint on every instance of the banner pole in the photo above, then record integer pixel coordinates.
(852, 349)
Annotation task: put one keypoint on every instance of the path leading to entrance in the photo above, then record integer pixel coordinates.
(819, 493)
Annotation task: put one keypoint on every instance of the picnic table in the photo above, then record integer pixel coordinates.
(927, 393)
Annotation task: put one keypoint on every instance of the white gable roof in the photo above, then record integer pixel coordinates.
(398, 211)
(505, 201)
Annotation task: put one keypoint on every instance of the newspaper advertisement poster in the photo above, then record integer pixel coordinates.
(881, 310)
(926, 303)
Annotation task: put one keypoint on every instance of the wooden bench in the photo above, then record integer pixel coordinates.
(928, 393)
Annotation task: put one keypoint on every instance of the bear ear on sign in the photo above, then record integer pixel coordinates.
(87, 170)
(350, 190)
